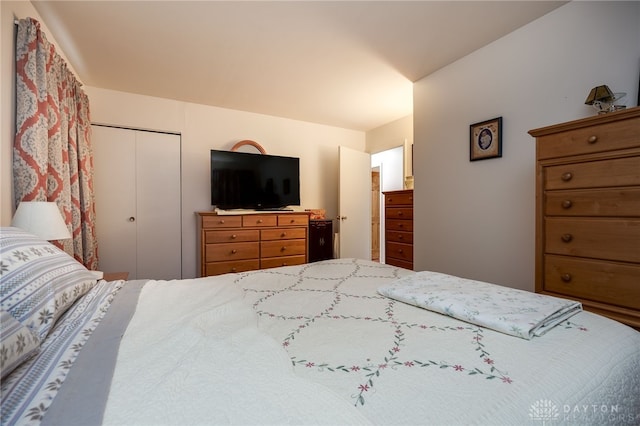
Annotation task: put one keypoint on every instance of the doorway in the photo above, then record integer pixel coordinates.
(387, 174)
(375, 214)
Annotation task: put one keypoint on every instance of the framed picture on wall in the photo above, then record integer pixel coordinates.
(485, 139)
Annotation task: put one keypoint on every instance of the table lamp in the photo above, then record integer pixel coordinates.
(42, 219)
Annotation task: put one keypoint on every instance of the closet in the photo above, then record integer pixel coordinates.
(138, 202)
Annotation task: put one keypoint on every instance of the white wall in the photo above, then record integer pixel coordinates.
(476, 219)
(391, 164)
(201, 127)
(205, 127)
(390, 135)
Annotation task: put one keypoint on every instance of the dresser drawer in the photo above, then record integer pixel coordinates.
(399, 251)
(232, 251)
(293, 220)
(221, 222)
(230, 236)
(398, 225)
(399, 213)
(607, 282)
(400, 263)
(283, 248)
(610, 239)
(399, 236)
(594, 174)
(276, 262)
(586, 140)
(259, 220)
(219, 268)
(399, 198)
(597, 202)
(283, 233)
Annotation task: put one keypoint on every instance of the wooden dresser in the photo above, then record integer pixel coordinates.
(398, 228)
(588, 213)
(244, 242)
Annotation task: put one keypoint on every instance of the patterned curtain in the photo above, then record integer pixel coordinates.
(52, 153)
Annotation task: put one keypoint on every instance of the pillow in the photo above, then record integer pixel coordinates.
(17, 344)
(38, 280)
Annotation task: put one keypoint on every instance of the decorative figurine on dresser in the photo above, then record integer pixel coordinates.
(588, 213)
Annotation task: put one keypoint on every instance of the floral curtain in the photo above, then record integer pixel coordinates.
(52, 153)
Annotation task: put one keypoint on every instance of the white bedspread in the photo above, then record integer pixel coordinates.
(508, 310)
(340, 353)
(192, 355)
(402, 365)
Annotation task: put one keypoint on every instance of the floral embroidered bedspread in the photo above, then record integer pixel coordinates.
(192, 355)
(400, 364)
(515, 312)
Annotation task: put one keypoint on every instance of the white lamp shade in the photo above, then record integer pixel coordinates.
(41, 218)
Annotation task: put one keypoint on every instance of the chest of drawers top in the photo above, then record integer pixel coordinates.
(214, 221)
(601, 133)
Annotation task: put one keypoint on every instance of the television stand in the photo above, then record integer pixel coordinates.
(243, 242)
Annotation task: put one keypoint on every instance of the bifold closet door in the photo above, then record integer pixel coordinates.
(137, 186)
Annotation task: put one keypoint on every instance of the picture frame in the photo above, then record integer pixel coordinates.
(485, 139)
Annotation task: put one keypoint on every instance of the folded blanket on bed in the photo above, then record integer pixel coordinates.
(516, 312)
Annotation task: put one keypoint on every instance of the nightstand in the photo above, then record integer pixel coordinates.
(114, 276)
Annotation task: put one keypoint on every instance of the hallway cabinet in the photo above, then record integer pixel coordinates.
(138, 202)
(320, 240)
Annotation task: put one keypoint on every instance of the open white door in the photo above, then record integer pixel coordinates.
(354, 217)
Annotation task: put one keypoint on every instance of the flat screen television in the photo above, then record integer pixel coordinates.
(241, 180)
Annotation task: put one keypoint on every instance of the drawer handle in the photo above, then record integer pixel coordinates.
(592, 139)
(283, 248)
(284, 234)
(233, 269)
(567, 176)
(566, 204)
(400, 251)
(567, 238)
(292, 221)
(399, 213)
(400, 237)
(221, 221)
(234, 236)
(566, 278)
(234, 251)
(259, 220)
(401, 225)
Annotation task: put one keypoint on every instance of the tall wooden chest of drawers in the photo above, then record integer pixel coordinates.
(244, 242)
(398, 228)
(588, 213)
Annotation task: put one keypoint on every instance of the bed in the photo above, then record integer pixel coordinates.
(343, 341)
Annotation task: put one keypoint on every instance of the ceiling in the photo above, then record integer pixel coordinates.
(347, 64)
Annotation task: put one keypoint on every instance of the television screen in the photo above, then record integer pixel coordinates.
(241, 180)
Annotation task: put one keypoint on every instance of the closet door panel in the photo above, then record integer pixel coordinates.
(138, 202)
(115, 191)
(158, 205)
